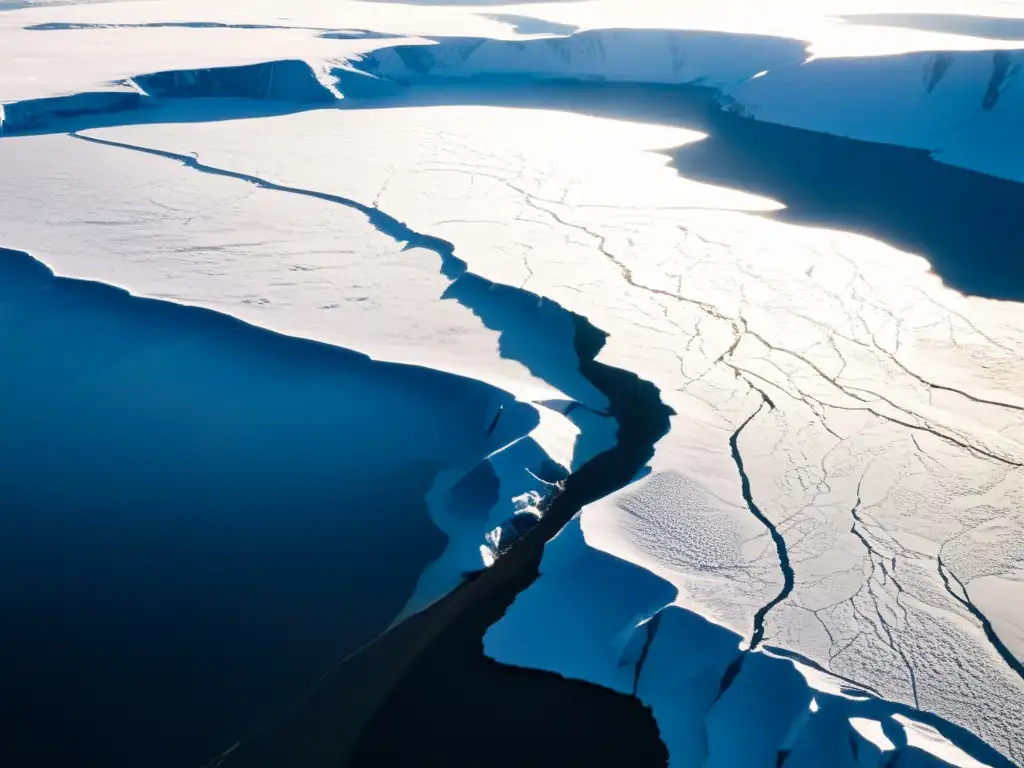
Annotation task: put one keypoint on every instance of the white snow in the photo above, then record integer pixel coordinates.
(872, 731)
(712, 46)
(526, 202)
(877, 412)
(709, 710)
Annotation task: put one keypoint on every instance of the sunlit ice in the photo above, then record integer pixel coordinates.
(708, 315)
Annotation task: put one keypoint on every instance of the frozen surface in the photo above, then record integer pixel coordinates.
(314, 267)
(319, 267)
(615, 624)
(946, 88)
(842, 485)
(824, 401)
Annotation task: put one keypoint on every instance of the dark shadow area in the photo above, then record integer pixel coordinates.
(200, 516)
(522, 319)
(991, 27)
(961, 221)
(964, 223)
(708, 694)
(527, 25)
(425, 694)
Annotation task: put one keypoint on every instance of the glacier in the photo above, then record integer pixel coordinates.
(796, 229)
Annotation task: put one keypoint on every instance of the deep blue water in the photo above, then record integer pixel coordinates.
(199, 517)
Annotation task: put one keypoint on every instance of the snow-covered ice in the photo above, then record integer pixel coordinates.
(834, 518)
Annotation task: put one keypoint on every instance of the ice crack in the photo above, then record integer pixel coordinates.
(452, 266)
(882, 621)
(948, 579)
(780, 543)
(651, 628)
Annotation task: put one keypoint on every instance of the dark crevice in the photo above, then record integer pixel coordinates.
(452, 267)
(398, 696)
(554, 718)
(889, 639)
(780, 543)
(731, 673)
(1003, 66)
(651, 628)
(965, 600)
(494, 421)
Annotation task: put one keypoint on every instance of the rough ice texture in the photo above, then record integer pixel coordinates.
(842, 481)
(595, 617)
(858, 347)
(293, 272)
(855, 344)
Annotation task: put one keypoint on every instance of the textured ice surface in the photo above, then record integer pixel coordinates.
(842, 482)
(315, 268)
(595, 617)
(859, 350)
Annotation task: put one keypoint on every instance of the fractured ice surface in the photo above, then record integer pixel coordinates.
(877, 376)
(402, 306)
(858, 347)
(875, 414)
